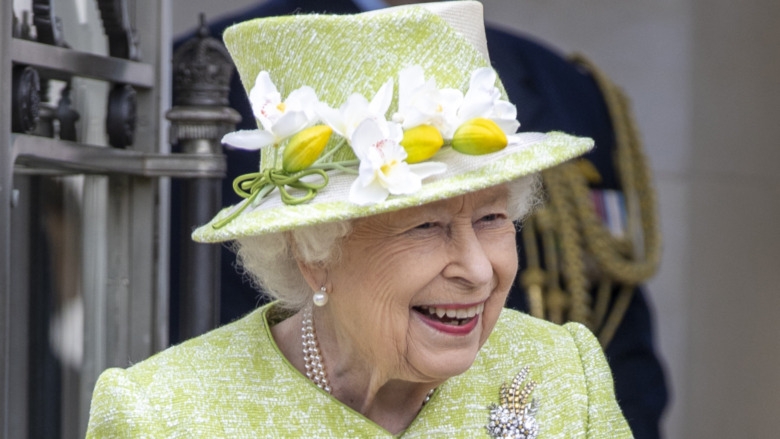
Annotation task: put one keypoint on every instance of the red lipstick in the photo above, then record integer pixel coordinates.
(438, 325)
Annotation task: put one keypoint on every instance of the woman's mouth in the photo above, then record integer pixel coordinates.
(451, 319)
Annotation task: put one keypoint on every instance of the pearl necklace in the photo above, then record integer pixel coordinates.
(312, 357)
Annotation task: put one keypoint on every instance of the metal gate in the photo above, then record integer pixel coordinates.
(84, 201)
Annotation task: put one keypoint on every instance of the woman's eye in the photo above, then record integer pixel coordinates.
(426, 226)
(492, 219)
(424, 230)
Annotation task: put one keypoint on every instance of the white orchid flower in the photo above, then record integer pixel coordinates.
(279, 119)
(483, 99)
(421, 102)
(356, 109)
(383, 169)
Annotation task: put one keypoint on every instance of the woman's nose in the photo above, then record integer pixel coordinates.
(469, 264)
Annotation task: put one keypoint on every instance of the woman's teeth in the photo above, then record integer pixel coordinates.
(449, 314)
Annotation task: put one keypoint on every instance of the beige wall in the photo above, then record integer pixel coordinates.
(734, 328)
(704, 76)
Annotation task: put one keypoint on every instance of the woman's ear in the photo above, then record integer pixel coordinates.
(315, 274)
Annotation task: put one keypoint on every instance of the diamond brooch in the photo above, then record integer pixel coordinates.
(515, 416)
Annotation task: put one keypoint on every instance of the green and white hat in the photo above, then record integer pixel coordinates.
(374, 112)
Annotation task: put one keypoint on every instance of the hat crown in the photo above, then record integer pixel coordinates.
(465, 17)
(412, 110)
(341, 55)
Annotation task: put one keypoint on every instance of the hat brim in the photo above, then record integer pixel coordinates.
(535, 152)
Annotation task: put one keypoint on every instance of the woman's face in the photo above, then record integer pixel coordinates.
(417, 291)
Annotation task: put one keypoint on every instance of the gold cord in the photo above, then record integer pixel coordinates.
(579, 251)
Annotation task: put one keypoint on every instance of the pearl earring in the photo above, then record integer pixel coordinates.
(320, 298)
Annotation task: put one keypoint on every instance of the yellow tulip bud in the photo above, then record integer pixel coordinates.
(304, 148)
(479, 136)
(421, 143)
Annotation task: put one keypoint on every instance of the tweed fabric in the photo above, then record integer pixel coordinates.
(234, 382)
(338, 55)
(460, 16)
(539, 151)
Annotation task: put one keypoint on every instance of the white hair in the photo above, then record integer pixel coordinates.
(269, 261)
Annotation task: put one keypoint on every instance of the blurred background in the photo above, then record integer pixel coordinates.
(704, 80)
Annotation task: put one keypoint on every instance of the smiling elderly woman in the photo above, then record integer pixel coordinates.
(383, 228)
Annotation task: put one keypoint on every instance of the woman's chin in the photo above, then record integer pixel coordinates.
(443, 366)
(444, 348)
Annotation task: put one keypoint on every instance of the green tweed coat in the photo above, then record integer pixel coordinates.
(234, 383)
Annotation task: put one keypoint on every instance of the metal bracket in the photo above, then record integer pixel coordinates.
(17, 27)
(60, 63)
(122, 41)
(120, 118)
(66, 116)
(47, 25)
(42, 155)
(26, 99)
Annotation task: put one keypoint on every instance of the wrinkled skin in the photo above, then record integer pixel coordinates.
(381, 352)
